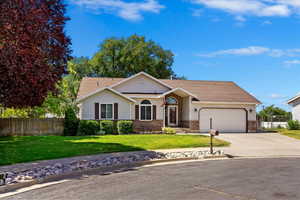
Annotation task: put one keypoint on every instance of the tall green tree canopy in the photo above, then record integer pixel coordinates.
(272, 113)
(124, 57)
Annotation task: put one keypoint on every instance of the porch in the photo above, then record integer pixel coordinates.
(176, 110)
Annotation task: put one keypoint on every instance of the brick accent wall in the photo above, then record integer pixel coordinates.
(252, 126)
(143, 126)
(194, 124)
(185, 124)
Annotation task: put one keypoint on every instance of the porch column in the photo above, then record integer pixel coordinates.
(190, 111)
(164, 115)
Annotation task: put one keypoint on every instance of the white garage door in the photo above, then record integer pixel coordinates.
(224, 120)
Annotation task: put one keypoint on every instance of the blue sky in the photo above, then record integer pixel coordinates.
(255, 43)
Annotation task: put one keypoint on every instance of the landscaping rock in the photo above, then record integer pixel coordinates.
(105, 161)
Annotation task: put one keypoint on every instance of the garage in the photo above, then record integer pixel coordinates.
(226, 120)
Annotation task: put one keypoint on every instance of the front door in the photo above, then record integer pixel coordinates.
(172, 116)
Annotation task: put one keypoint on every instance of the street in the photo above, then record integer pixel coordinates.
(272, 178)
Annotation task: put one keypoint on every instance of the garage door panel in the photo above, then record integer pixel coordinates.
(225, 120)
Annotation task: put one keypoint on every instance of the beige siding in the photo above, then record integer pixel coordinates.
(296, 110)
(141, 84)
(251, 115)
(87, 107)
(186, 108)
(159, 107)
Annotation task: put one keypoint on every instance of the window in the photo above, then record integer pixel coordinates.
(171, 100)
(146, 110)
(106, 111)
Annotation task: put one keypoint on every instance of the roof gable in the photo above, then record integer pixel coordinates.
(141, 84)
(104, 89)
(294, 99)
(205, 91)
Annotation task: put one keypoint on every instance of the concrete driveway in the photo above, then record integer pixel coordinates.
(261, 144)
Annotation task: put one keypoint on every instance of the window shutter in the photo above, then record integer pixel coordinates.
(137, 112)
(96, 111)
(154, 112)
(116, 111)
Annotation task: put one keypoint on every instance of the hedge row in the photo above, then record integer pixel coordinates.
(73, 126)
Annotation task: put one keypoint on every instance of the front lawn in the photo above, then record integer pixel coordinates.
(291, 133)
(30, 148)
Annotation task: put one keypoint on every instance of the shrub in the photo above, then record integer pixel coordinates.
(279, 126)
(168, 130)
(125, 127)
(107, 126)
(293, 125)
(88, 127)
(70, 123)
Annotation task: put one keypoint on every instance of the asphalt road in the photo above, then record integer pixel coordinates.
(242, 179)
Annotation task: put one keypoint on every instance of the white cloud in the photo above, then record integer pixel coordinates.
(259, 8)
(254, 50)
(292, 62)
(277, 96)
(240, 18)
(197, 12)
(131, 11)
(266, 22)
(215, 19)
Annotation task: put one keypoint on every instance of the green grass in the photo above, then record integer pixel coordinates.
(291, 133)
(31, 148)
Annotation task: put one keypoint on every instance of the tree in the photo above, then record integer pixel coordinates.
(33, 50)
(272, 113)
(67, 88)
(81, 67)
(124, 57)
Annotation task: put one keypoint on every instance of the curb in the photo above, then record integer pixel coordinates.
(99, 170)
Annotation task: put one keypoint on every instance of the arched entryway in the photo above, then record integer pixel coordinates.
(172, 111)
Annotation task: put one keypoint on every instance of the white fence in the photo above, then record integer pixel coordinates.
(274, 124)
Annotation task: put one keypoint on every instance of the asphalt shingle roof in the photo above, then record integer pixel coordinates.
(212, 91)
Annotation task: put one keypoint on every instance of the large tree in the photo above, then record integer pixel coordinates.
(33, 50)
(123, 57)
(63, 98)
(273, 113)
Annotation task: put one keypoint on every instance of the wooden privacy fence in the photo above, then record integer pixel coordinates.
(20, 126)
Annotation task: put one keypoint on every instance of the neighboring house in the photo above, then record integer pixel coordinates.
(295, 103)
(155, 103)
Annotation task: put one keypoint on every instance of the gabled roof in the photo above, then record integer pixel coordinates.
(141, 74)
(179, 90)
(205, 91)
(215, 91)
(102, 89)
(293, 99)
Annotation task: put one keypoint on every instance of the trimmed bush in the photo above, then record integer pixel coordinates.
(88, 127)
(293, 125)
(107, 126)
(168, 131)
(125, 127)
(70, 123)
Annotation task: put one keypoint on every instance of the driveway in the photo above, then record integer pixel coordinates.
(235, 179)
(261, 144)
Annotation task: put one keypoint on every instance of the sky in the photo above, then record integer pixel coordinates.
(255, 43)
